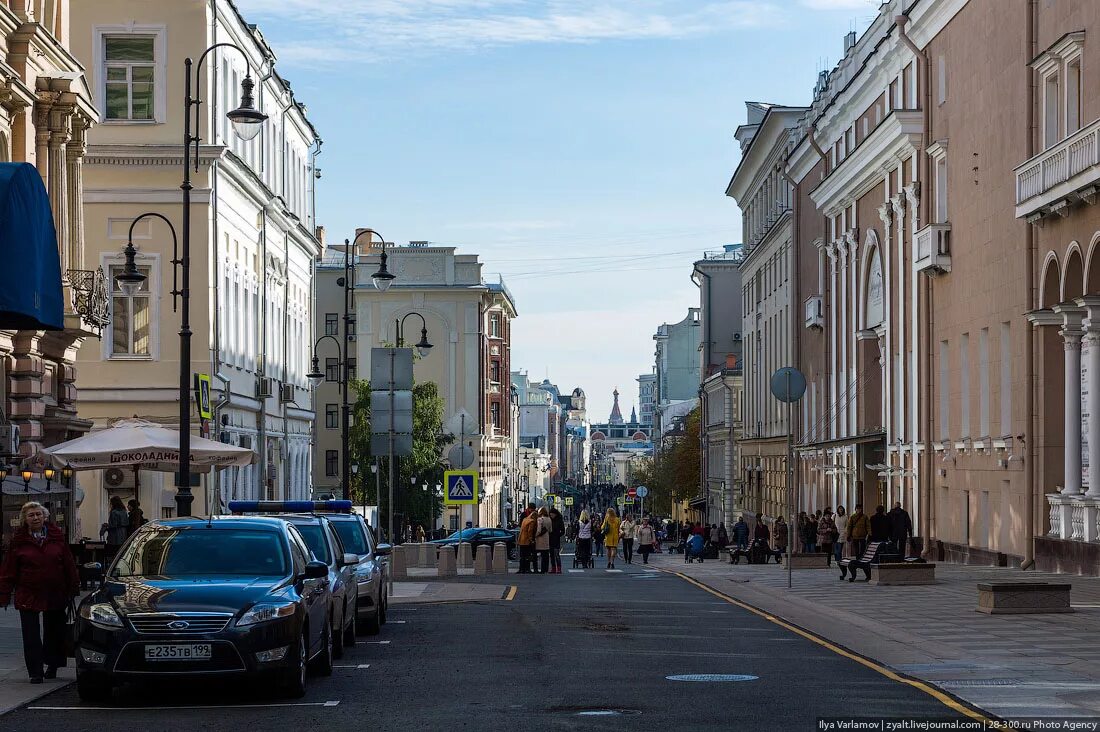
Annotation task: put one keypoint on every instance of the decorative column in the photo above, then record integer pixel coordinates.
(830, 250)
(852, 235)
(898, 376)
(74, 156)
(1071, 333)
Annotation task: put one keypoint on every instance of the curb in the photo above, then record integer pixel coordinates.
(45, 692)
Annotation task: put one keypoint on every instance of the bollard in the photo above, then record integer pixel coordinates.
(465, 555)
(446, 565)
(426, 557)
(500, 558)
(483, 560)
(398, 568)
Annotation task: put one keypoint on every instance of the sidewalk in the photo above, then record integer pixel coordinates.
(1008, 665)
(15, 687)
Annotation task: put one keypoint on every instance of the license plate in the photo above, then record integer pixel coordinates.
(178, 652)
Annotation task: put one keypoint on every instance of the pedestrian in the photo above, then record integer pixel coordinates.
(611, 535)
(880, 525)
(557, 531)
(135, 516)
(809, 534)
(583, 549)
(699, 529)
(712, 535)
(117, 527)
(626, 530)
(39, 571)
(901, 528)
(597, 534)
(841, 521)
(859, 527)
(723, 536)
(826, 534)
(646, 539)
(420, 535)
(761, 532)
(741, 533)
(780, 534)
(543, 527)
(526, 542)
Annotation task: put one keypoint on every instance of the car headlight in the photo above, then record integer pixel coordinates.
(101, 614)
(262, 612)
(366, 569)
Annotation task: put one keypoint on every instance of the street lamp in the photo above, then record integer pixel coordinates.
(27, 474)
(383, 278)
(48, 474)
(423, 347)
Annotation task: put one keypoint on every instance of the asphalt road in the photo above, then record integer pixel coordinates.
(566, 646)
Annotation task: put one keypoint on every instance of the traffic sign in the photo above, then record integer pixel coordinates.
(628, 500)
(641, 491)
(461, 487)
(632, 492)
(569, 500)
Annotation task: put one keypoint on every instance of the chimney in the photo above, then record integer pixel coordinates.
(731, 361)
(319, 233)
(849, 41)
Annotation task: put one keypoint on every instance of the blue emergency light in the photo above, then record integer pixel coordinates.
(334, 506)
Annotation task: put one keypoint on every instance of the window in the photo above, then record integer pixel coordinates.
(1006, 379)
(494, 411)
(332, 463)
(1050, 110)
(964, 384)
(332, 321)
(351, 327)
(1073, 96)
(129, 64)
(941, 80)
(494, 371)
(131, 318)
(351, 370)
(332, 416)
(494, 325)
(983, 382)
(332, 369)
(944, 388)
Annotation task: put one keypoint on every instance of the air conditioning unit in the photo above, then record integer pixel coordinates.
(116, 479)
(736, 337)
(263, 388)
(815, 312)
(286, 393)
(9, 439)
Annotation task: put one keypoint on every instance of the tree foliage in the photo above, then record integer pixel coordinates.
(413, 502)
(673, 474)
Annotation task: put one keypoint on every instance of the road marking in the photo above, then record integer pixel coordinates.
(377, 643)
(359, 666)
(946, 699)
(572, 570)
(511, 594)
(396, 622)
(194, 706)
(613, 570)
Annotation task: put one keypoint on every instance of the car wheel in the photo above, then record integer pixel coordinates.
(322, 664)
(384, 603)
(294, 683)
(93, 687)
(349, 629)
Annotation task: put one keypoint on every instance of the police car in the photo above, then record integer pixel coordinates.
(239, 595)
(371, 570)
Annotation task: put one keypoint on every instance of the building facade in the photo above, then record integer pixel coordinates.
(647, 394)
(253, 244)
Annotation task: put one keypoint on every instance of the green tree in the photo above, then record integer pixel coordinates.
(672, 475)
(416, 504)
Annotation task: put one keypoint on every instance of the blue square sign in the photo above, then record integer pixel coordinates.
(460, 487)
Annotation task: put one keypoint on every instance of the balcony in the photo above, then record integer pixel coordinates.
(932, 253)
(814, 308)
(1060, 176)
(89, 300)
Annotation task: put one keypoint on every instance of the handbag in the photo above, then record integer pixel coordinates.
(68, 636)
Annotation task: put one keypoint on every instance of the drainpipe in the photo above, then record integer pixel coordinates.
(1031, 463)
(261, 361)
(286, 358)
(923, 215)
(315, 175)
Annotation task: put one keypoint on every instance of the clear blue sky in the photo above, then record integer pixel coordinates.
(581, 147)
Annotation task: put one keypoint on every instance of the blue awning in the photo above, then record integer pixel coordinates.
(30, 275)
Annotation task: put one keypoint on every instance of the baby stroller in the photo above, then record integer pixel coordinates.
(693, 549)
(582, 555)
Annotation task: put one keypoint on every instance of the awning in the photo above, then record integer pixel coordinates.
(30, 280)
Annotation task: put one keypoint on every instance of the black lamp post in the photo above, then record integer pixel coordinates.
(423, 347)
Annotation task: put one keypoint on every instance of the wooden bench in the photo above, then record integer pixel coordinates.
(1019, 598)
(876, 551)
(761, 556)
(903, 573)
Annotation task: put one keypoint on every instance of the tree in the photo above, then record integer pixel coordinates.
(673, 474)
(416, 504)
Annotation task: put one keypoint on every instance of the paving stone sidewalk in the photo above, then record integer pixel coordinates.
(15, 687)
(1008, 665)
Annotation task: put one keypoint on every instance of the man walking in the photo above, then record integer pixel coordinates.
(858, 529)
(741, 533)
(526, 540)
(901, 528)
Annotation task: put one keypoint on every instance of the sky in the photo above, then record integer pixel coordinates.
(581, 147)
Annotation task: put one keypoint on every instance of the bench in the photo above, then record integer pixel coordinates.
(876, 552)
(1019, 598)
(903, 573)
(758, 556)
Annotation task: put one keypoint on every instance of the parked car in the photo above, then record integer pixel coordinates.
(478, 537)
(239, 596)
(371, 570)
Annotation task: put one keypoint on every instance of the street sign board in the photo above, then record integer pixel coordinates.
(460, 487)
(202, 396)
(628, 500)
(788, 384)
(380, 444)
(461, 456)
(569, 500)
(641, 491)
(391, 365)
(632, 492)
(400, 403)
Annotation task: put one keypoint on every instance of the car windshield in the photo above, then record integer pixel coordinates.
(464, 534)
(351, 533)
(200, 551)
(315, 540)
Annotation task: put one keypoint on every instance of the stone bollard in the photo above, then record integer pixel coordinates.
(446, 564)
(465, 555)
(398, 568)
(483, 560)
(427, 556)
(500, 558)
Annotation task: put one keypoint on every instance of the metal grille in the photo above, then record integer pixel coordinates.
(164, 622)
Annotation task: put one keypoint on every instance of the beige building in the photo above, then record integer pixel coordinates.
(253, 245)
(46, 110)
(468, 322)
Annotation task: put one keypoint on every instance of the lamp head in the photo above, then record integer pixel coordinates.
(130, 279)
(3, 471)
(423, 347)
(247, 120)
(49, 473)
(383, 278)
(67, 472)
(315, 376)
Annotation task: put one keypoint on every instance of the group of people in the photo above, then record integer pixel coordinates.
(833, 534)
(122, 521)
(540, 534)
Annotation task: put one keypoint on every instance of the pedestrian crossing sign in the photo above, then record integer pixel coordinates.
(461, 487)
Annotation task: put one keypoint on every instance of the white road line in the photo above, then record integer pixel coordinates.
(576, 570)
(613, 570)
(193, 706)
(361, 665)
(397, 622)
(377, 643)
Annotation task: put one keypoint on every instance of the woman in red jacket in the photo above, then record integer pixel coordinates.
(39, 570)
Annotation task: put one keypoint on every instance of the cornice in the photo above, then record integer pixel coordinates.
(149, 155)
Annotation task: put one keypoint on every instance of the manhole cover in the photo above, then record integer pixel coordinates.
(712, 677)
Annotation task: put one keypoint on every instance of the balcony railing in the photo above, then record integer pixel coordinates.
(90, 297)
(933, 249)
(1064, 173)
